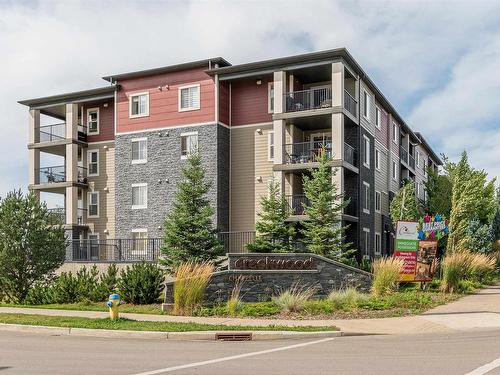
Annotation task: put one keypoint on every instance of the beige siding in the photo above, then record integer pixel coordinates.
(105, 185)
(250, 173)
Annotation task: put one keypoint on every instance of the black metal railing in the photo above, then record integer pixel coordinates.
(403, 154)
(305, 152)
(350, 154)
(297, 203)
(57, 216)
(352, 207)
(82, 132)
(350, 104)
(307, 99)
(49, 175)
(236, 242)
(116, 250)
(54, 132)
(411, 161)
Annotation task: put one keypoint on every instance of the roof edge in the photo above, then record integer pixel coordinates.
(69, 96)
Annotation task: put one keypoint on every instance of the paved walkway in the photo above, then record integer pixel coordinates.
(477, 311)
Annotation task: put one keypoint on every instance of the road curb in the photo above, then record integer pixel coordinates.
(186, 336)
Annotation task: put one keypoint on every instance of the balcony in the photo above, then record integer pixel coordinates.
(57, 132)
(57, 216)
(305, 152)
(406, 157)
(51, 175)
(411, 161)
(305, 100)
(350, 104)
(352, 207)
(297, 203)
(350, 155)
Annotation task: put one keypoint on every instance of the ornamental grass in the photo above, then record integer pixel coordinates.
(191, 280)
(386, 274)
(295, 298)
(347, 298)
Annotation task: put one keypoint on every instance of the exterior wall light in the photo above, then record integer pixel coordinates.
(259, 82)
(259, 179)
(259, 131)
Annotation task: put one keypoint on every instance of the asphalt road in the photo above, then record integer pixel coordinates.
(442, 354)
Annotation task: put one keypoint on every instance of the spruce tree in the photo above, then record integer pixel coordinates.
(405, 206)
(323, 231)
(273, 234)
(189, 231)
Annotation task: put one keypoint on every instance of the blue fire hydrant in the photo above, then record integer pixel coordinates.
(113, 303)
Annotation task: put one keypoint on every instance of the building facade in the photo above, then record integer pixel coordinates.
(122, 147)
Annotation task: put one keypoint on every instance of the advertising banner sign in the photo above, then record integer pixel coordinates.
(406, 248)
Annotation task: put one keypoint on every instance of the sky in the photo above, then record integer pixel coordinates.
(437, 62)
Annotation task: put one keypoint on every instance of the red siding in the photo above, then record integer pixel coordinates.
(249, 103)
(163, 105)
(106, 121)
(224, 103)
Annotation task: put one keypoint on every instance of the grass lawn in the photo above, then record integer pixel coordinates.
(95, 306)
(134, 325)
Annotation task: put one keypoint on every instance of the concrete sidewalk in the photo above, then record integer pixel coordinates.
(477, 311)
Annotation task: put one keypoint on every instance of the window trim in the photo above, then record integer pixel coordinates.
(88, 163)
(379, 243)
(138, 161)
(395, 131)
(95, 109)
(132, 95)
(394, 170)
(139, 206)
(269, 145)
(179, 90)
(187, 134)
(269, 97)
(367, 103)
(365, 201)
(378, 113)
(377, 159)
(379, 210)
(417, 158)
(89, 216)
(367, 233)
(366, 151)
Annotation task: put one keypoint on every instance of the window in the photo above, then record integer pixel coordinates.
(270, 146)
(93, 204)
(377, 118)
(93, 162)
(139, 150)
(378, 244)
(394, 171)
(366, 232)
(377, 159)
(139, 196)
(378, 201)
(366, 105)
(417, 189)
(366, 203)
(189, 98)
(139, 104)
(139, 239)
(417, 159)
(394, 133)
(270, 97)
(366, 149)
(189, 144)
(93, 121)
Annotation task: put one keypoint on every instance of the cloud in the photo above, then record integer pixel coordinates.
(417, 52)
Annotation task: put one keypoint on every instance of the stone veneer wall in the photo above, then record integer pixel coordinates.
(162, 172)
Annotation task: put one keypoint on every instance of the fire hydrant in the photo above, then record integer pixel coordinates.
(113, 303)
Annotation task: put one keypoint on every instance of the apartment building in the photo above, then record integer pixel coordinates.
(122, 147)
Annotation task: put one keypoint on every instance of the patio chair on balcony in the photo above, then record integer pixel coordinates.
(51, 178)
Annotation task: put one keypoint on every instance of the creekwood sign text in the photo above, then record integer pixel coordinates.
(271, 263)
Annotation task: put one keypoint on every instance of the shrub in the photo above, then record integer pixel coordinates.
(39, 294)
(108, 283)
(294, 299)
(386, 273)
(141, 284)
(191, 280)
(349, 297)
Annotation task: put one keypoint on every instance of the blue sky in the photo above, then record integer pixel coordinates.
(438, 62)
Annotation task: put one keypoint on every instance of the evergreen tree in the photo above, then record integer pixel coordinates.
(189, 232)
(323, 231)
(472, 197)
(31, 248)
(496, 220)
(405, 206)
(479, 236)
(438, 188)
(273, 234)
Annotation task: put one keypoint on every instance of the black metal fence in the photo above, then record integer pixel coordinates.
(236, 242)
(307, 99)
(116, 250)
(350, 103)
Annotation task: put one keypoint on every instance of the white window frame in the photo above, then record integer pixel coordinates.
(366, 153)
(366, 231)
(417, 157)
(89, 110)
(190, 152)
(379, 195)
(133, 95)
(89, 152)
(134, 250)
(366, 200)
(395, 131)
(195, 108)
(394, 170)
(367, 104)
(138, 161)
(378, 243)
(139, 206)
(417, 189)
(89, 216)
(270, 97)
(378, 114)
(270, 145)
(377, 159)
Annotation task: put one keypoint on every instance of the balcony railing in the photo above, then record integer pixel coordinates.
(350, 154)
(307, 99)
(57, 216)
(297, 203)
(350, 104)
(49, 175)
(411, 161)
(305, 152)
(56, 132)
(403, 154)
